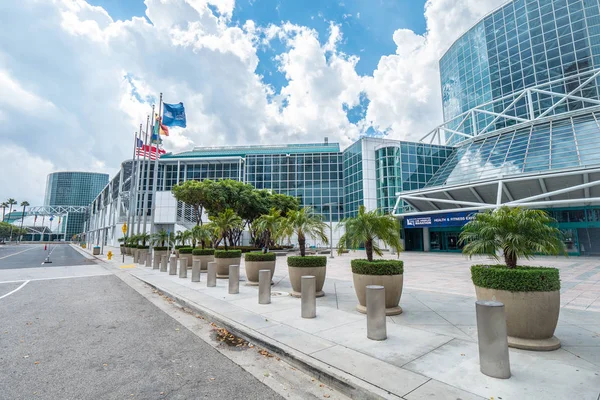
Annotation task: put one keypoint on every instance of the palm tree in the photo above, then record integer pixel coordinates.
(269, 225)
(178, 237)
(160, 237)
(11, 203)
(225, 222)
(201, 234)
(24, 204)
(186, 236)
(518, 232)
(144, 237)
(4, 206)
(369, 227)
(304, 222)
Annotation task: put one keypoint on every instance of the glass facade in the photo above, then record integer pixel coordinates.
(564, 143)
(73, 189)
(405, 166)
(523, 44)
(353, 178)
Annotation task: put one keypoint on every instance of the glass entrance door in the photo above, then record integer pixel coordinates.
(413, 239)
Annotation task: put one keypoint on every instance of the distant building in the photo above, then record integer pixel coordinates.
(73, 189)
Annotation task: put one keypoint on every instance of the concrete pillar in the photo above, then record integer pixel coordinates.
(196, 271)
(308, 290)
(492, 339)
(426, 240)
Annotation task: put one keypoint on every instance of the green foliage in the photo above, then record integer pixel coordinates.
(202, 234)
(377, 267)
(518, 232)
(142, 247)
(225, 222)
(259, 256)
(283, 203)
(228, 253)
(193, 193)
(143, 237)
(122, 240)
(161, 237)
(302, 223)
(180, 246)
(269, 225)
(368, 228)
(5, 230)
(307, 261)
(185, 250)
(519, 279)
(161, 248)
(203, 252)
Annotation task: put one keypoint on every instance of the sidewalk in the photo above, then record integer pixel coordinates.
(431, 350)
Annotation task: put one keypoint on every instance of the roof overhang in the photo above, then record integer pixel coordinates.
(565, 188)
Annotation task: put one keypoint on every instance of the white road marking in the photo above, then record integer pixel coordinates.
(57, 277)
(14, 254)
(17, 289)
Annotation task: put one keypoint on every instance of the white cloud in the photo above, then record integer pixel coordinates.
(76, 84)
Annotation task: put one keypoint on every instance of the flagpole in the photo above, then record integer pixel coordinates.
(132, 188)
(155, 180)
(140, 179)
(147, 173)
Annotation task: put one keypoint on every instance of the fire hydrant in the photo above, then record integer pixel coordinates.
(109, 255)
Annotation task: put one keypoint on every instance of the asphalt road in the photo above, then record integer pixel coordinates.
(33, 255)
(97, 338)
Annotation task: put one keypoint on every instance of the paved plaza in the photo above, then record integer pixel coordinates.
(431, 347)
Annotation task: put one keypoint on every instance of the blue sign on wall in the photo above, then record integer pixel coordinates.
(439, 220)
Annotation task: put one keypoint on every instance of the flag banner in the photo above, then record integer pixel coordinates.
(149, 152)
(174, 115)
(140, 143)
(159, 128)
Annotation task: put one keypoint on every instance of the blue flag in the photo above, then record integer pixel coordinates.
(174, 115)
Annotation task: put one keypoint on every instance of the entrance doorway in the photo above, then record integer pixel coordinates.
(413, 239)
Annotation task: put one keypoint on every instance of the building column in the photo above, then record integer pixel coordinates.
(426, 243)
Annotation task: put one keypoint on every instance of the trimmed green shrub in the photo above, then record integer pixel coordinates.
(377, 267)
(228, 253)
(185, 250)
(203, 252)
(180, 246)
(260, 256)
(142, 247)
(161, 248)
(519, 279)
(307, 261)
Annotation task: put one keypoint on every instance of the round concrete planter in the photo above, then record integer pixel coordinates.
(127, 251)
(189, 258)
(393, 291)
(159, 253)
(204, 260)
(252, 268)
(296, 274)
(123, 249)
(223, 266)
(531, 317)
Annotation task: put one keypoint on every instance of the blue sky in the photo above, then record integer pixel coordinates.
(367, 26)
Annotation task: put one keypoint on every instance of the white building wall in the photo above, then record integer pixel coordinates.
(369, 172)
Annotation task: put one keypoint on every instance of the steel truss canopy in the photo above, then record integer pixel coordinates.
(529, 105)
(56, 210)
(571, 188)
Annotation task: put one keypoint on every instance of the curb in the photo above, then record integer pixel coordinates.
(343, 382)
(86, 254)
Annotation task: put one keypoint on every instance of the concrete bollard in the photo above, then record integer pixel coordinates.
(148, 260)
(156, 264)
(196, 271)
(234, 279)
(183, 267)
(492, 339)
(164, 260)
(264, 286)
(211, 275)
(135, 255)
(308, 286)
(173, 266)
(141, 258)
(376, 329)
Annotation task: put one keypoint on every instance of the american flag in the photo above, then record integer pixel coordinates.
(148, 151)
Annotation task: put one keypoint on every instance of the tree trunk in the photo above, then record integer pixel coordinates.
(196, 211)
(369, 249)
(510, 260)
(302, 244)
(267, 240)
(225, 241)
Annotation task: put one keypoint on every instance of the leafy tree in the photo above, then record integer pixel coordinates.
(24, 204)
(143, 237)
(160, 237)
(194, 194)
(368, 227)
(186, 237)
(202, 234)
(270, 226)
(283, 203)
(518, 232)
(4, 206)
(225, 222)
(5, 229)
(304, 222)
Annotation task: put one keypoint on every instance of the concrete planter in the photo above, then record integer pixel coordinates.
(531, 317)
(393, 291)
(189, 259)
(252, 268)
(123, 249)
(204, 260)
(296, 274)
(223, 266)
(159, 253)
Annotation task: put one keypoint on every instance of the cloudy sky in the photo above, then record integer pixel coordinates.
(77, 78)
